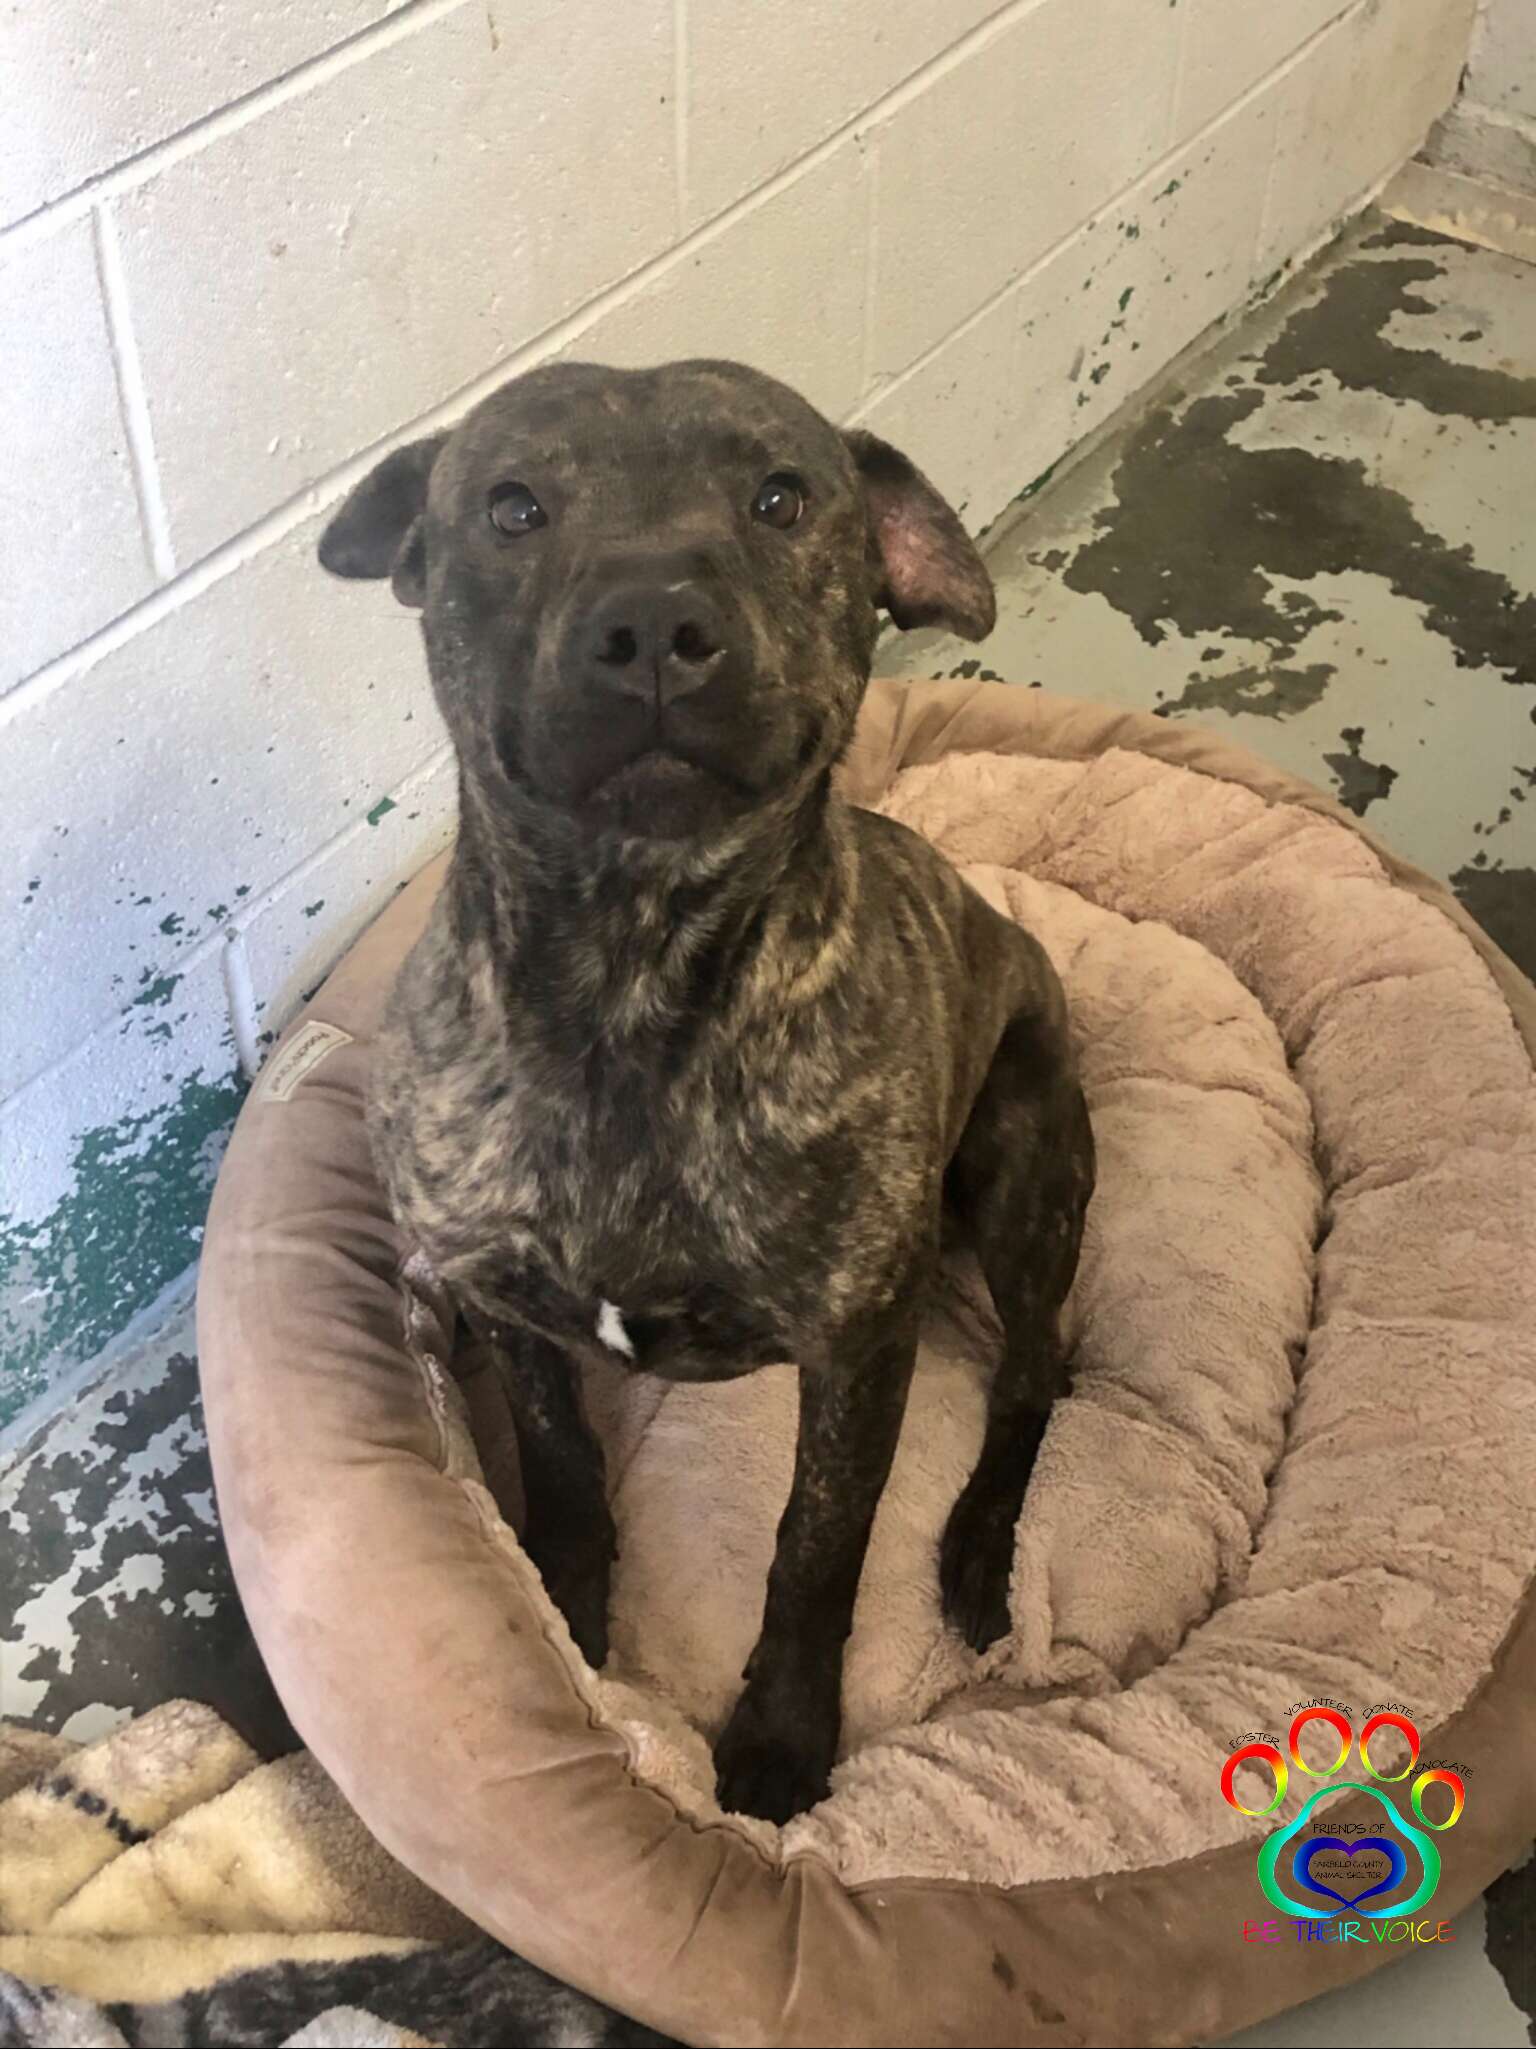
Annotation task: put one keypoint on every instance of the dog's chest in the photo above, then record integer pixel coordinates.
(624, 1192)
(719, 1192)
(632, 1188)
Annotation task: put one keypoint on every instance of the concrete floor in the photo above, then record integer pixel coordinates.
(1324, 537)
(115, 1591)
(1325, 541)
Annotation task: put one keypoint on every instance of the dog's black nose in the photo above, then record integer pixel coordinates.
(658, 641)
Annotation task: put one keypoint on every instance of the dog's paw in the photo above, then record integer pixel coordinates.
(975, 1566)
(770, 1770)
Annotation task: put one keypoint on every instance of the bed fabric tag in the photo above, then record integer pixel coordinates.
(300, 1057)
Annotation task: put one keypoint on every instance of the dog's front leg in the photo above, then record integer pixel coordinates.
(568, 1530)
(776, 1751)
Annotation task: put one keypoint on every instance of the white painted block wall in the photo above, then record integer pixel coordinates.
(243, 254)
(1491, 131)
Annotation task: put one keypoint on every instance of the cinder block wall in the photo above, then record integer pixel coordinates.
(243, 254)
(1491, 131)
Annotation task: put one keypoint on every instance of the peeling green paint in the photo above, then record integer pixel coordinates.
(1347, 332)
(384, 805)
(171, 924)
(1032, 490)
(1204, 533)
(1270, 691)
(1266, 285)
(1360, 783)
(71, 1279)
(157, 988)
(1503, 901)
(1126, 297)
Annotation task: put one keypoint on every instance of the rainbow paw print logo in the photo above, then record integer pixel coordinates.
(1321, 1863)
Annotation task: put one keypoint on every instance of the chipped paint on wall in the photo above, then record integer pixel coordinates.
(109, 1160)
(130, 1221)
(106, 1161)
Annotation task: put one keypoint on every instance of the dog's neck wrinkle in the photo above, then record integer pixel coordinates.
(608, 940)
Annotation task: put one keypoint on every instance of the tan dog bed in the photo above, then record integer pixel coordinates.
(1296, 1463)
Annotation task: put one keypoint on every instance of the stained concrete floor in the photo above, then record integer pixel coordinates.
(1323, 542)
(115, 1590)
(1323, 539)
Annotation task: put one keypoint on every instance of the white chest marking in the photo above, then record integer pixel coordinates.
(610, 1328)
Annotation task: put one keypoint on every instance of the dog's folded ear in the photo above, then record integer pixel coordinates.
(377, 530)
(933, 575)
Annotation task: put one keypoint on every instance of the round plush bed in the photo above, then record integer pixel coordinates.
(1296, 1466)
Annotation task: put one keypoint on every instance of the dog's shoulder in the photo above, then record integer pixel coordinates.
(900, 868)
(441, 1009)
(890, 849)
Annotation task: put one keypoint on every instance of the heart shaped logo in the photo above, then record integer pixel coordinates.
(1298, 1849)
(1397, 1864)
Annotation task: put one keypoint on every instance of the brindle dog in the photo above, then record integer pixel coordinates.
(694, 1055)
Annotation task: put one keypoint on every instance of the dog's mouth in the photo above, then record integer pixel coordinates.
(663, 793)
(664, 768)
(656, 767)
(666, 772)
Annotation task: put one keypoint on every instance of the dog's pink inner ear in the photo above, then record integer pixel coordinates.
(932, 573)
(924, 579)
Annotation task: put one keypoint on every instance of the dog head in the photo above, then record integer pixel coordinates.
(650, 597)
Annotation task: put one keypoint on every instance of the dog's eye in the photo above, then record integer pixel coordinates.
(780, 500)
(515, 510)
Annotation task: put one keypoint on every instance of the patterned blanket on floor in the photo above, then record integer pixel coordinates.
(163, 1886)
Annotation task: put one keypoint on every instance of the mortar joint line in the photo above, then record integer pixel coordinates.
(140, 165)
(240, 995)
(133, 396)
